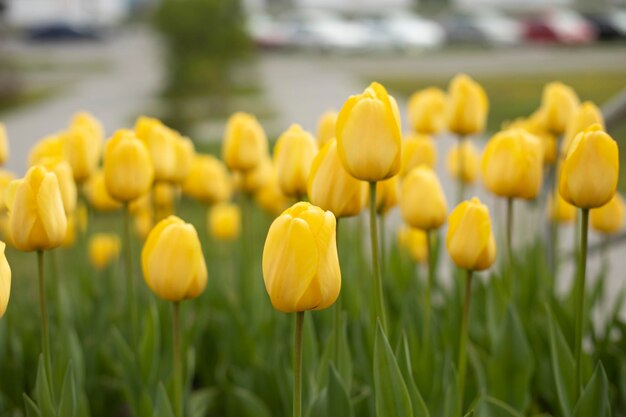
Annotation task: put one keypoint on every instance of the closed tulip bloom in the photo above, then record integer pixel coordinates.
(422, 201)
(300, 262)
(418, 149)
(270, 197)
(584, 116)
(88, 121)
(63, 171)
(368, 135)
(161, 144)
(52, 147)
(4, 144)
(471, 162)
(70, 234)
(558, 104)
(37, 217)
(326, 127)
(609, 218)
(98, 195)
(245, 143)
(259, 176)
(184, 152)
(387, 194)
(512, 164)
(414, 242)
(104, 248)
(128, 170)
(293, 156)
(427, 111)
(590, 170)
(468, 106)
(470, 240)
(224, 221)
(535, 126)
(82, 149)
(143, 221)
(208, 180)
(5, 280)
(5, 179)
(560, 210)
(165, 195)
(172, 261)
(330, 187)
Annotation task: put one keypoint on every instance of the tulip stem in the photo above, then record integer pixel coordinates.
(178, 371)
(464, 334)
(128, 260)
(509, 240)
(337, 312)
(580, 297)
(378, 281)
(297, 366)
(430, 263)
(43, 310)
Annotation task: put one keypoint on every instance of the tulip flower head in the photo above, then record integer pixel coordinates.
(270, 197)
(422, 201)
(300, 262)
(224, 221)
(427, 111)
(560, 210)
(414, 242)
(470, 240)
(586, 115)
(558, 104)
(256, 178)
(326, 127)
(98, 195)
(609, 219)
(387, 195)
(104, 248)
(418, 149)
(172, 261)
(470, 165)
(293, 156)
(468, 106)
(88, 121)
(4, 144)
(82, 149)
(245, 143)
(5, 280)
(590, 170)
(63, 171)
(369, 140)
(208, 180)
(49, 147)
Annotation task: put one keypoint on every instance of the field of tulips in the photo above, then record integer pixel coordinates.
(144, 277)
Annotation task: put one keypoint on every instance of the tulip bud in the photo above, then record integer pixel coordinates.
(470, 241)
(4, 144)
(224, 221)
(128, 170)
(49, 147)
(300, 262)
(609, 218)
(245, 143)
(468, 158)
(418, 149)
(467, 106)
(256, 178)
(271, 198)
(143, 222)
(326, 127)
(5, 280)
(558, 104)
(386, 195)
(590, 170)
(172, 260)
(86, 120)
(330, 187)
(104, 248)
(560, 210)
(97, 194)
(37, 218)
(184, 152)
(82, 149)
(208, 180)
(70, 234)
(422, 201)
(584, 116)
(369, 140)
(512, 164)
(165, 195)
(414, 242)
(63, 171)
(293, 155)
(427, 111)
(5, 179)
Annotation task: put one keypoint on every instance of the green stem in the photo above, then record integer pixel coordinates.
(430, 263)
(337, 312)
(509, 239)
(383, 245)
(130, 282)
(464, 334)
(461, 172)
(178, 370)
(43, 310)
(580, 297)
(378, 281)
(297, 366)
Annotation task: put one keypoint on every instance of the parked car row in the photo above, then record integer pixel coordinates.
(400, 30)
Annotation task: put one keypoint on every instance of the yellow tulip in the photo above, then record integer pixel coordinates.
(470, 162)
(128, 170)
(82, 149)
(414, 242)
(63, 171)
(270, 197)
(300, 262)
(558, 104)
(534, 125)
(609, 218)
(422, 201)
(224, 221)
(184, 152)
(256, 178)
(143, 222)
(88, 121)
(326, 127)
(468, 106)
(37, 218)
(369, 140)
(172, 260)
(418, 149)
(5, 280)
(51, 147)
(590, 170)
(293, 155)
(560, 210)
(142, 203)
(584, 116)
(512, 164)
(427, 111)
(70, 234)
(165, 195)
(208, 180)
(97, 194)
(332, 188)
(470, 240)
(104, 248)
(4, 144)
(245, 143)
(386, 194)
(5, 179)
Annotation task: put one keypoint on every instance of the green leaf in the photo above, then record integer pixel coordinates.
(452, 399)
(319, 405)
(150, 344)
(391, 394)
(42, 391)
(67, 401)
(338, 398)
(490, 406)
(563, 368)
(594, 400)
(163, 407)
(202, 401)
(417, 401)
(31, 408)
(244, 403)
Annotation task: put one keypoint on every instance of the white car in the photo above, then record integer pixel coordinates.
(409, 31)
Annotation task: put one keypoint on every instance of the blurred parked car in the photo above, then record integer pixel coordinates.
(609, 25)
(559, 25)
(266, 32)
(459, 28)
(62, 31)
(498, 28)
(407, 31)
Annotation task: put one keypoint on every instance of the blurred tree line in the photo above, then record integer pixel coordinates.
(205, 41)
